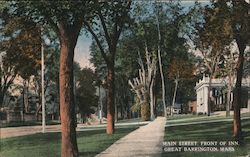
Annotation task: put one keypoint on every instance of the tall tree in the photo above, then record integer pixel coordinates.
(235, 20)
(180, 69)
(66, 19)
(227, 70)
(214, 36)
(160, 62)
(85, 91)
(241, 29)
(7, 76)
(20, 44)
(144, 83)
(111, 18)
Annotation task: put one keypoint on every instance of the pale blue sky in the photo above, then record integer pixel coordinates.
(82, 51)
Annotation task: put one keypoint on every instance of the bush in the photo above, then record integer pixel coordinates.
(200, 113)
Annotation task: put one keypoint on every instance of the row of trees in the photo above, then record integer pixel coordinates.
(213, 30)
(20, 54)
(66, 20)
(139, 49)
(143, 39)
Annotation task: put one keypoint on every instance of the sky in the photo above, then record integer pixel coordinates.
(82, 53)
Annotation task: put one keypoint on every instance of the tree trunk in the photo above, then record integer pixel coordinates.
(163, 88)
(4, 86)
(25, 96)
(122, 109)
(67, 106)
(160, 66)
(151, 90)
(145, 108)
(1, 99)
(24, 107)
(58, 98)
(116, 111)
(208, 96)
(155, 102)
(111, 99)
(175, 91)
(237, 132)
(241, 14)
(228, 105)
(38, 104)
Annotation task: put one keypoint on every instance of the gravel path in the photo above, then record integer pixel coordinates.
(143, 142)
(28, 130)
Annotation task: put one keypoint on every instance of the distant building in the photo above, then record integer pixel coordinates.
(177, 108)
(218, 94)
(17, 104)
(192, 106)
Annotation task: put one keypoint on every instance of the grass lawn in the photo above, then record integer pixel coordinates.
(90, 143)
(134, 120)
(184, 116)
(198, 118)
(219, 131)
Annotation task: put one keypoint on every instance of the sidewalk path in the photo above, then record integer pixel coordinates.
(26, 130)
(145, 142)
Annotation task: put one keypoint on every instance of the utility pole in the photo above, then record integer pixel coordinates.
(42, 73)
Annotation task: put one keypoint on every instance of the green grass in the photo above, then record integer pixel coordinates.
(219, 131)
(245, 114)
(198, 118)
(90, 143)
(117, 126)
(134, 120)
(184, 116)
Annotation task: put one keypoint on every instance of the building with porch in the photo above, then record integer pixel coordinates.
(218, 94)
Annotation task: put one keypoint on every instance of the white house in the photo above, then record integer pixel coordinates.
(218, 94)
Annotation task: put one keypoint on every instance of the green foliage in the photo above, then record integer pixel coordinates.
(174, 22)
(181, 69)
(110, 20)
(20, 48)
(53, 12)
(216, 32)
(86, 98)
(21, 44)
